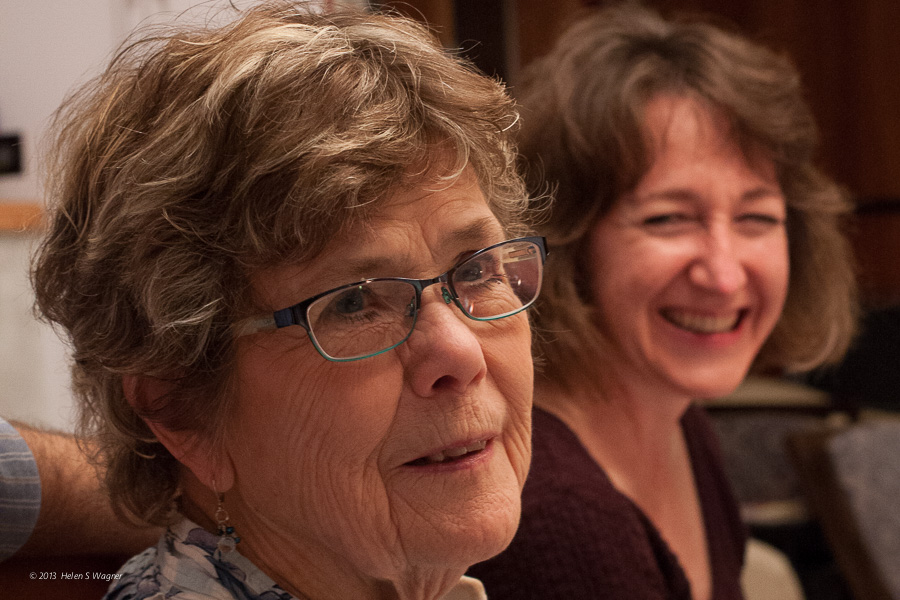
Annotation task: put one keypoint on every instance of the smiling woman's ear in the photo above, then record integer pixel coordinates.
(198, 452)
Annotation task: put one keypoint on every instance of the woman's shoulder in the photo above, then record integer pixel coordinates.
(138, 579)
(184, 565)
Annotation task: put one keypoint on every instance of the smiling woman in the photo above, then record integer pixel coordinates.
(288, 253)
(690, 268)
(692, 240)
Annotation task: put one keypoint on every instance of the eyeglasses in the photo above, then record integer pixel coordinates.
(372, 316)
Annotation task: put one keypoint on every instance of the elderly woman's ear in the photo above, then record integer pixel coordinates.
(207, 460)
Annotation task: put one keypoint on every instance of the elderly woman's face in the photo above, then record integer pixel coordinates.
(689, 272)
(408, 461)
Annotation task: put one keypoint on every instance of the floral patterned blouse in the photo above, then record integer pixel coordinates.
(185, 566)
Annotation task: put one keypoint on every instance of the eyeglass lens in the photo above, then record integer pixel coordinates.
(377, 315)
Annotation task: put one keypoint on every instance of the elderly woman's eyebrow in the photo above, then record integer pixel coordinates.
(482, 232)
(452, 246)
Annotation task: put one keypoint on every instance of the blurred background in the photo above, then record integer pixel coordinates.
(847, 51)
(47, 47)
(784, 438)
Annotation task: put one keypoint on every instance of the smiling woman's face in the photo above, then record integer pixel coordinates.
(405, 467)
(689, 272)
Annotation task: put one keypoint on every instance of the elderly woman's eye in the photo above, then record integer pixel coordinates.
(483, 268)
(350, 302)
(472, 271)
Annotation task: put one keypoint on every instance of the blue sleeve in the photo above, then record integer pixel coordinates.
(20, 491)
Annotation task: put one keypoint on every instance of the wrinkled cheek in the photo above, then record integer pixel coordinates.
(514, 377)
(521, 429)
(345, 511)
(310, 472)
(517, 444)
(359, 527)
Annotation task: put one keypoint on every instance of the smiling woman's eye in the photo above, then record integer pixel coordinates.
(764, 218)
(669, 223)
(759, 223)
(665, 219)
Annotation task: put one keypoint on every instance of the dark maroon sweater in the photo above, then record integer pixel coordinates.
(580, 538)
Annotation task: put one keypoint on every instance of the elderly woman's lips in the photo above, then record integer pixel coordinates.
(450, 454)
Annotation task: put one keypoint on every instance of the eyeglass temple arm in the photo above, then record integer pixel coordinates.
(267, 322)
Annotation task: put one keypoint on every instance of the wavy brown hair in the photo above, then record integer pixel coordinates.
(583, 134)
(203, 154)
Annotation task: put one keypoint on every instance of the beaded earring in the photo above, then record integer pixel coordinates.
(227, 539)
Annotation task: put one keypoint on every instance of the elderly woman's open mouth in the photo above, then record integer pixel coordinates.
(456, 455)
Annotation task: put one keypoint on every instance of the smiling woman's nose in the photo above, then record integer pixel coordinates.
(718, 266)
(443, 352)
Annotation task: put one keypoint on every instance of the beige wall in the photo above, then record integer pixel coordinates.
(34, 380)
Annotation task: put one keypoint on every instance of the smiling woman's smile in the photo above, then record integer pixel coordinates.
(703, 323)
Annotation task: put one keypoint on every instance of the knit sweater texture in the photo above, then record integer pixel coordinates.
(580, 538)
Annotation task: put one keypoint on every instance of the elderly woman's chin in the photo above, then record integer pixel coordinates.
(440, 519)
(468, 525)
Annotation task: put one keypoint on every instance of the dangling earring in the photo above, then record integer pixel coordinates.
(227, 539)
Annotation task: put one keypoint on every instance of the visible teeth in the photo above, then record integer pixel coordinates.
(456, 452)
(480, 445)
(702, 323)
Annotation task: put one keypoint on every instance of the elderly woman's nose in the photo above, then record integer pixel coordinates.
(443, 352)
(718, 266)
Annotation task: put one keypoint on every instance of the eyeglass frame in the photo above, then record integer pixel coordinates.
(297, 314)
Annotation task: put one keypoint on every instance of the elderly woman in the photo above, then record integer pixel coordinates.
(288, 255)
(692, 239)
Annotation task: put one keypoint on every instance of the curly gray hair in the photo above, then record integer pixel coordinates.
(203, 154)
